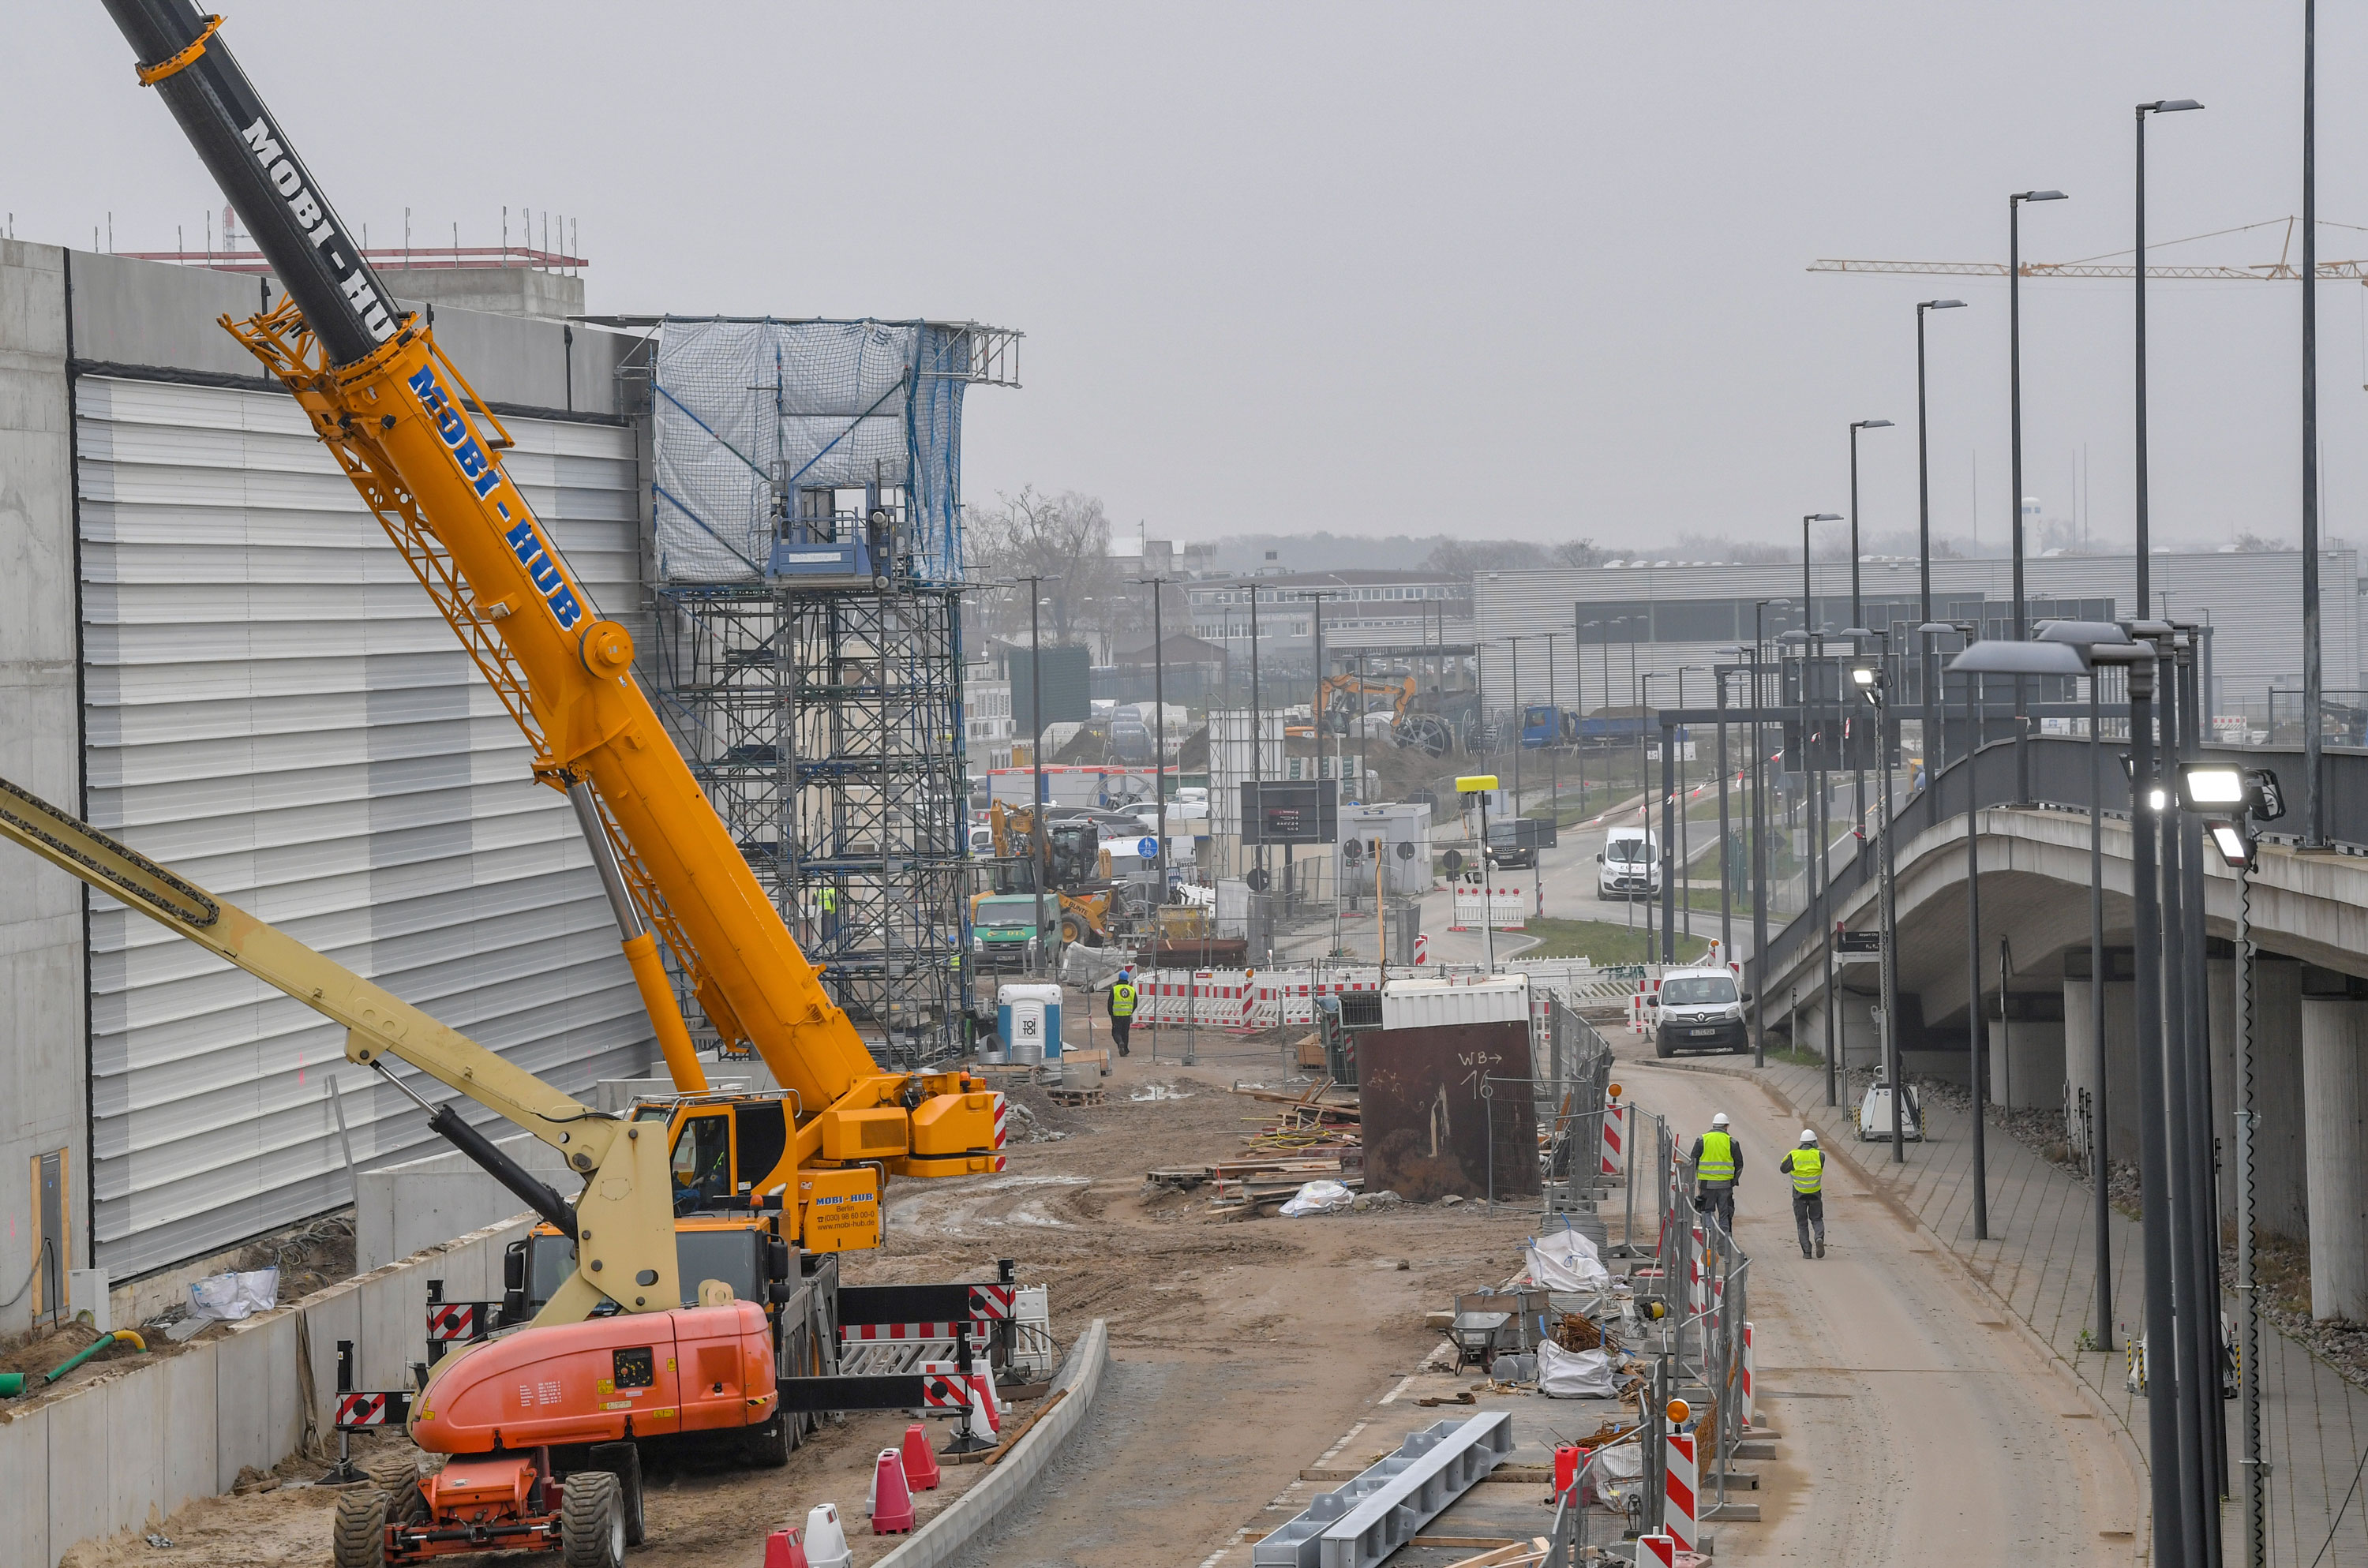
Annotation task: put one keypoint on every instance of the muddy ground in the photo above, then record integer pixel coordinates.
(1243, 1348)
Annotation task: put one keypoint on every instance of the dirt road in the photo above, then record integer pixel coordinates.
(1241, 1348)
(1919, 1426)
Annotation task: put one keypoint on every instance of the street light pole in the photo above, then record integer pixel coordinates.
(1760, 844)
(1924, 526)
(2014, 403)
(1858, 614)
(1158, 586)
(2314, 793)
(1873, 682)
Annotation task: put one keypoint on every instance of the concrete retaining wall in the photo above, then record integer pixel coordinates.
(960, 1525)
(123, 1451)
(402, 1209)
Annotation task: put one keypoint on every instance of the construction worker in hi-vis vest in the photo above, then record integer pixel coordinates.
(1718, 1165)
(1122, 1008)
(1807, 1166)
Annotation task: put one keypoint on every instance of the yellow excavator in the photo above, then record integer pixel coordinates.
(427, 456)
(1075, 867)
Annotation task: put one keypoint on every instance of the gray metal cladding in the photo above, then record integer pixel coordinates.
(273, 706)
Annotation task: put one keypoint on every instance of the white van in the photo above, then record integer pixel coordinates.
(1630, 864)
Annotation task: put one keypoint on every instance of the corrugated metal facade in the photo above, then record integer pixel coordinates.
(273, 705)
(2254, 600)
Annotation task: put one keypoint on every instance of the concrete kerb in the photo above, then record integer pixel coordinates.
(957, 1527)
(2125, 1442)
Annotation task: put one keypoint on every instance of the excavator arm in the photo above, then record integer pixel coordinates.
(623, 1220)
(426, 454)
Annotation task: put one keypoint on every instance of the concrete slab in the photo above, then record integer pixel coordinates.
(25, 1463)
(331, 1315)
(137, 1436)
(189, 1411)
(241, 1407)
(77, 1490)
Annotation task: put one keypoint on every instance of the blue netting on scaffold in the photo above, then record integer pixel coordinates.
(746, 411)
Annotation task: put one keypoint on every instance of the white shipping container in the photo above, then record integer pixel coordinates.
(1427, 1004)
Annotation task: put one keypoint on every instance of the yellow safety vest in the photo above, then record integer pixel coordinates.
(1121, 1001)
(830, 900)
(1808, 1170)
(1717, 1158)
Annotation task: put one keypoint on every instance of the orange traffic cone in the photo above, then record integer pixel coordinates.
(892, 1496)
(783, 1549)
(920, 1464)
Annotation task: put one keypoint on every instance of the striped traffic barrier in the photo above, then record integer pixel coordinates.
(1656, 1551)
(1749, 1377)
(1614, 1158)
(1678, 1489)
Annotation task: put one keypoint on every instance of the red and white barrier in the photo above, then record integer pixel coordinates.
(942, 1391)
(1748, 1376)
(1505, 908)
(1214, 998)
(1615, 1140)
(1656, 1551)
(1289, 996)
(1678, 1489)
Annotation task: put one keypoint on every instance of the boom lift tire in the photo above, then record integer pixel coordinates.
(768, 1447)
(624, 1460)
(360, 1537)
(592, 1521)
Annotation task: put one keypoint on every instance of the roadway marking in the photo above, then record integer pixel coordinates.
(1391, 1397)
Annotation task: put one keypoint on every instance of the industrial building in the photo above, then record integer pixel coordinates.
(211, 649)
(1616, 625)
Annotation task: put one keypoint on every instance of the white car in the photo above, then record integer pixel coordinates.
(1701, 1009)
(1629, 864)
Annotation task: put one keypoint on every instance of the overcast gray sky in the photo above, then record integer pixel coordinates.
(1521, 270)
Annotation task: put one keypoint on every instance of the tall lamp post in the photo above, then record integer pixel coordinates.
(2014, 462)
(1760, 837)
(1924, 523)
(1858, 613)
(2094, 636)
(1812, 882)
(1158, 586)
(2314, 794)
(2021, 660)
(1872, 684)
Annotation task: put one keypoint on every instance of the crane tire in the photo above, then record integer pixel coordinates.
(592, 1521)
(358, 1540)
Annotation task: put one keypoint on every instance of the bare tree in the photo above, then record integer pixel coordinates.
(1464, 559)
(1579, 553)
(1062, 539)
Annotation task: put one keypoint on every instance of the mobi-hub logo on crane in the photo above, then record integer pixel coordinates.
(280, 170)
(485, 477)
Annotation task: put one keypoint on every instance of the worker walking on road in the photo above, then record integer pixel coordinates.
(1122, 1008)
(1718, 1165)
(1807, 1166)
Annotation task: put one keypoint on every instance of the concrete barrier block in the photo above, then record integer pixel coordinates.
(78, 1492)
(384, 1338)
(330, 1315)
(243, 1428)
(25, 1480)
(188, 1418)
(136, 1436)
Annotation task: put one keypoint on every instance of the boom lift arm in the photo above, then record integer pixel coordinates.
(624, 1218)
(426, 455)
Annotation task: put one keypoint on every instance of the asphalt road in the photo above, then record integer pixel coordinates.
(1918, 1425)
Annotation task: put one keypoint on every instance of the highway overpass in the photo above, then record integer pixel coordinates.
(2310, 919)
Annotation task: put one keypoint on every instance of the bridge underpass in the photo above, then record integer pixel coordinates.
(2309, 920)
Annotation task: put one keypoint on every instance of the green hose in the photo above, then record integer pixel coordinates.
(13, 1384)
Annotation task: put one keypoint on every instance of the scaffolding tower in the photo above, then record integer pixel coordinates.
(807, 647)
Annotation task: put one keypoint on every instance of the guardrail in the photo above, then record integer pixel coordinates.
(2059, 777)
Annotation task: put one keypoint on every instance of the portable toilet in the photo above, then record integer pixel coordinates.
(1029, 1017)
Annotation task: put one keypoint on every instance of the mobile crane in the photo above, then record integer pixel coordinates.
(426, 452)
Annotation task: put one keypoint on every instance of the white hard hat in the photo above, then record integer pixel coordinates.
(1808, 1135)
(1719, 1119)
